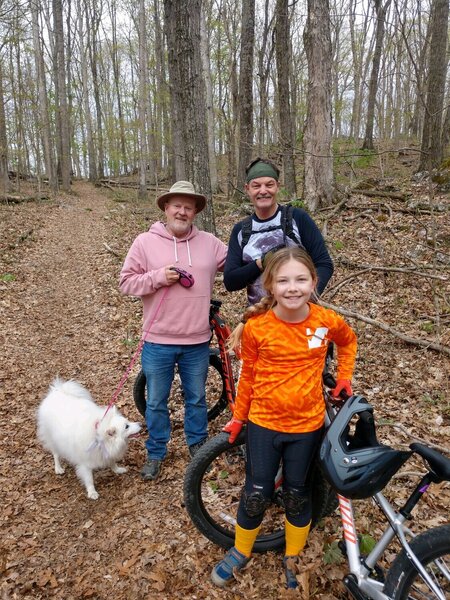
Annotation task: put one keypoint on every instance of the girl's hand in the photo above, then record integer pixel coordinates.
(342, 385)
(233, 427)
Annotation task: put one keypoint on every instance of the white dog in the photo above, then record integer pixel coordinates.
(74, 428)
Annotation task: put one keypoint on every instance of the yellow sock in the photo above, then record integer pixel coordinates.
(295, 538)
(245, 538)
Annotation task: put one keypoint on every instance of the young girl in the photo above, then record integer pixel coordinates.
(284, 344)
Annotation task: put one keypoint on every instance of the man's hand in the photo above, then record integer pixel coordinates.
(233, 427)
(171, 275)
(265, 257)
(342, 385)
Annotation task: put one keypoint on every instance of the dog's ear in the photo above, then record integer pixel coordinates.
(111, 432)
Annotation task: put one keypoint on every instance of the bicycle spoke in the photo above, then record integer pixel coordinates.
(221, 491)
(439, 571)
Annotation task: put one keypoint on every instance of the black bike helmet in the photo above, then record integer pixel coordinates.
(357, 465)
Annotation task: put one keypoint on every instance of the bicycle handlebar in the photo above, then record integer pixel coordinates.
(330, 382)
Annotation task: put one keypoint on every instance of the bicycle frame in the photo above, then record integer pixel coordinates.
(359, 583)
(222, 332)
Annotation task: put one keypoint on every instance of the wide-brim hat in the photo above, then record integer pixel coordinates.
(182, 188)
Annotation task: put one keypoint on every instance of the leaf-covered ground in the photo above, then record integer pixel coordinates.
(62, 314)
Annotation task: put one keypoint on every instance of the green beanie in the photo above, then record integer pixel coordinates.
(261, 169)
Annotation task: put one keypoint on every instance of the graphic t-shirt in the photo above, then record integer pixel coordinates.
(280, 386)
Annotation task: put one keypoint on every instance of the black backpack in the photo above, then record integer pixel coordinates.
(287, 211)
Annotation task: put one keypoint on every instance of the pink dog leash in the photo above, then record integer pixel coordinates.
(135, 356)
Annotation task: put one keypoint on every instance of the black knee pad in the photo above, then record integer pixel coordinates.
(255, 504)
(295, 501)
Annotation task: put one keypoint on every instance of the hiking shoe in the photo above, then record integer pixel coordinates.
(194, 448)
(151, 469)
(223, 571)
(289, 572)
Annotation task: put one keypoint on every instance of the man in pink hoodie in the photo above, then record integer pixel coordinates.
(176, 317)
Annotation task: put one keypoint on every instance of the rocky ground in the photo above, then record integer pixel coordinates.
(62, 314)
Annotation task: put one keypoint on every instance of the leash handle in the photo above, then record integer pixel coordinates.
(135, 356)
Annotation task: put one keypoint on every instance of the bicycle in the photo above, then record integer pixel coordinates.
(212, 488)
(357, 466)
(423, 564)
(220, 390)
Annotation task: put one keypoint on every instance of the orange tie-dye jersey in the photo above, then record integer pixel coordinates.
(280, 386)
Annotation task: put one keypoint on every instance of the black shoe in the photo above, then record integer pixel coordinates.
(151, 469)
(194, 448)
(291, 579)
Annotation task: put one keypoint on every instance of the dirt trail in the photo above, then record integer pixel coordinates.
(61, 313)
(58, 297)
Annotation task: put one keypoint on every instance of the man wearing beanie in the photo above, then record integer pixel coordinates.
(171, 268)
(269, 228)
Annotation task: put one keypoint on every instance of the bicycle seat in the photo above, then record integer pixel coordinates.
(439, 464)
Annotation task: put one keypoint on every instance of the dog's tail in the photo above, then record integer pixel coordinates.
(71, 387)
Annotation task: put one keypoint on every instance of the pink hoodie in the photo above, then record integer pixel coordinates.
(183, 317)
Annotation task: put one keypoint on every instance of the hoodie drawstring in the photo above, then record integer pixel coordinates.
(176, 252)
(189, 253)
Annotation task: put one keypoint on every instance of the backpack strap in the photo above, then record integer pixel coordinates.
(286, 225)
(246, 230)
(284, 220)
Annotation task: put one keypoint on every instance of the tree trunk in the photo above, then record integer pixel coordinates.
(204, 50)
(188, 91)
(92, 163)
(95, 20)
(373, 85)
(162, 113)
(116, 75)
(46, 136)
(61, 107)
(143, 88)
(246, 90)
(446, 128)
(432, 134)
(264, 63)
(177, 147)
(4, 179)
(318, 183)
(282, 34)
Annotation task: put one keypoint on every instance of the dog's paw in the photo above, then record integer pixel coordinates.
(93, 494)
(119, 470)
(60, 470)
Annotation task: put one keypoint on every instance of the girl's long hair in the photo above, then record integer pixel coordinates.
(274, 262)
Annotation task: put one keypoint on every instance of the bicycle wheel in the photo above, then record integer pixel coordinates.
(212, 489)
(216, 399)
(432, 548)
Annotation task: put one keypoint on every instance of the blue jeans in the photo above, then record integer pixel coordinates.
(158, 364)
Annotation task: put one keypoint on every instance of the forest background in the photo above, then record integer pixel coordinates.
(171, 90)
(351, 99)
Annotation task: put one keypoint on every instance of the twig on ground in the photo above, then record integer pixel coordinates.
(112, 251)
(403, 429)
(8, 198)
(428, 344)
(407, 270)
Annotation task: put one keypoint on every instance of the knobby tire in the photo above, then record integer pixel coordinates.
(403, 581)
(212, 488)
(216, 401)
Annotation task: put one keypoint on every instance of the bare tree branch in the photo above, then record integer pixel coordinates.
(428, 344)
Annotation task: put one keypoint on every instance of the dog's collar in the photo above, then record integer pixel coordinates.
(98, 444)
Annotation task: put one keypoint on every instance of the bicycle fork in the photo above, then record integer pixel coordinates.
(359, 583)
